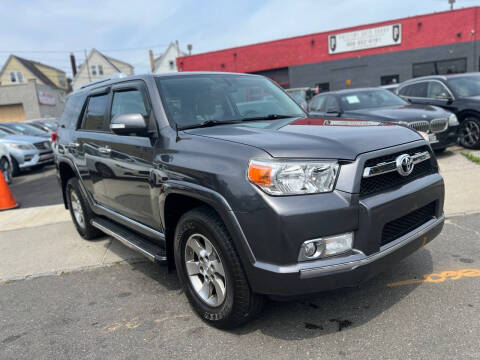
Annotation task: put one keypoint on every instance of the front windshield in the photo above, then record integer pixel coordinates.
(195, 99)
(366, 99)
(465, 86)
(25, 129)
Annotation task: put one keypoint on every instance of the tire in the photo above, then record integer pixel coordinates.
(15, 167)
(77, 204)
(6, 169)
(239, 303)
(469, 133)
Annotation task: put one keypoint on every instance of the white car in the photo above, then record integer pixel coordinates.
(6, 164)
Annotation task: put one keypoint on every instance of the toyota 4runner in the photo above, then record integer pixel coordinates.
(225, 178)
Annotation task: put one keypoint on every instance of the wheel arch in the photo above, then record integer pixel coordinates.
(181, 197)
(468, 112)
(65, 173)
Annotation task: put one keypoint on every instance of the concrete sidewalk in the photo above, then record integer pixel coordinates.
(42, 240)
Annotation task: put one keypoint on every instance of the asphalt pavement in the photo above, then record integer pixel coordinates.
(425, 307)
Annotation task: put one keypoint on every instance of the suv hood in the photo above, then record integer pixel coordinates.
(406, 113)
(313, 138)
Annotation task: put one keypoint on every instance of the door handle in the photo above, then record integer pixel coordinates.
(104, 150)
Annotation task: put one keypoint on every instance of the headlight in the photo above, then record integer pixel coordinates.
(20, 146)
(452, 120)
(293, 177)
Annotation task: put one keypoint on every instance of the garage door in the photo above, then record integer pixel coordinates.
(12, 112)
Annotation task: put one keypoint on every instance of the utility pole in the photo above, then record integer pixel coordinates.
(451, 2)
(152, 60)
(88, 67)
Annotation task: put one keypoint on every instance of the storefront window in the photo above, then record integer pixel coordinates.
(441, 67)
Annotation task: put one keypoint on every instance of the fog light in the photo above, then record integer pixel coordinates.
(310, 249)
(326, 246)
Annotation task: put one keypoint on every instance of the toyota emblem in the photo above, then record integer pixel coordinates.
(404, 164)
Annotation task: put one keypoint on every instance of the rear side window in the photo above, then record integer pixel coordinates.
(95, 113)
(72, 110)
(129, 102)
(418, 90)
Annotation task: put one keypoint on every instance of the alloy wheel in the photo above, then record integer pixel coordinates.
(470, 133)
(205, 270)
(77, 209)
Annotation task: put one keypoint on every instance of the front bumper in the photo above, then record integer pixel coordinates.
(369, 257)
(446, 138)
(36, 158)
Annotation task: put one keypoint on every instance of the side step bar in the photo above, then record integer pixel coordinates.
(150, 250)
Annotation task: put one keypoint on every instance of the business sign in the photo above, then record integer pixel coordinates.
(46, 98)
(365, 39)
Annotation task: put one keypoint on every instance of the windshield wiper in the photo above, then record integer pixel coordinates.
(270, 117)
(208, 123)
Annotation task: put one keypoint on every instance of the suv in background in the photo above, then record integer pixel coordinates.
(26, 151)
(439, 125)
(458, 93)
(225, 178)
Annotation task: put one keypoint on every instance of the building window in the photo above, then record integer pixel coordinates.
(441, 67)
(94, 70)
(171, 64)
(322, 87)
(16, 77)
(100, 69)
(61, 80)
(389, 79)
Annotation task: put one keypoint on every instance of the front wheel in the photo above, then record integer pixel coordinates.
(6, 170)
(210, 271)
(470, 133)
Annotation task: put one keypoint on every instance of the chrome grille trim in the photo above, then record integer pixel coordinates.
(386, 167)
(439, 125)
(419, 125)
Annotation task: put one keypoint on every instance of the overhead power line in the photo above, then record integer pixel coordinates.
(80, 51)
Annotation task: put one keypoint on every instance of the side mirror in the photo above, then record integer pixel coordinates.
(128, 124)
(444, 96)
(334, 111)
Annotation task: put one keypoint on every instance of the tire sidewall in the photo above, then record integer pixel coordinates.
(9, 174)
(194, 224)
(73, 186)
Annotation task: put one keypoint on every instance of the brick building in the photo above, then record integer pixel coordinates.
(368, 55)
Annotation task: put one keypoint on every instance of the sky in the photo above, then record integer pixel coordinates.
(48, 31)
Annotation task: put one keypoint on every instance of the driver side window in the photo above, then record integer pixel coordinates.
(129, 102)
(436, 89)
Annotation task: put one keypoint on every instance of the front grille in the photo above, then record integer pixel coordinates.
(379, 183)
(401, 226)
(419, 125)
(44, 145)
(439, 125)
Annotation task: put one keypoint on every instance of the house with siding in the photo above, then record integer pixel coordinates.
(98, 66)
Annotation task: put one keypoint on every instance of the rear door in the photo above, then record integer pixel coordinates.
(130, 157)
(88, 141)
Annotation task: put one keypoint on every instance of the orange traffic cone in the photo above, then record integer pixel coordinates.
(6, 198)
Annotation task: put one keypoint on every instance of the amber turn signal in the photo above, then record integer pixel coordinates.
(260, 174)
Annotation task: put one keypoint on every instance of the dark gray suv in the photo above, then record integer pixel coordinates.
(224, 177)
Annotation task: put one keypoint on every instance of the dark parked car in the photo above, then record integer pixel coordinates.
(381, 105)
(48, 126)
(458, 93)
(244, 195)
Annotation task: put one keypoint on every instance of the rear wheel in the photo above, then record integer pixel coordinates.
(210, 270)
(470, 133)
(80, 211)
(6, 169)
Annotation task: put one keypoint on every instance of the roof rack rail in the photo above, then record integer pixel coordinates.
(95, 82)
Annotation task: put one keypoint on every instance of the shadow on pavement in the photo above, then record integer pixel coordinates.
(37, 187)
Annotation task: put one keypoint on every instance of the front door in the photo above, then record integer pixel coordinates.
(130, 158)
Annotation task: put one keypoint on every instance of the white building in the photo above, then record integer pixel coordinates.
(167, 62)
(99, 66)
